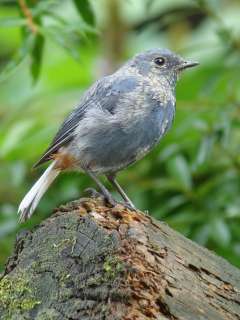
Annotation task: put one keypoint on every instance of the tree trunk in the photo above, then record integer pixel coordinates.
(89, 261)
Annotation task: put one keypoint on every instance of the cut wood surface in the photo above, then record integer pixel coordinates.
(89, 261)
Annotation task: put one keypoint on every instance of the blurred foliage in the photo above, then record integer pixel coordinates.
(51, 51)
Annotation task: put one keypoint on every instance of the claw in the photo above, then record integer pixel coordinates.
(108, 199)
(129, 206)
(93, 193)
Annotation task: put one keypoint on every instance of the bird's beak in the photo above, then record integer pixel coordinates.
(188, 64)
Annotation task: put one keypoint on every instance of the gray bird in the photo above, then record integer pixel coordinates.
(119, 119)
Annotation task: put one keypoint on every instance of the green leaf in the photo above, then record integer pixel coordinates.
(220, 232)
(36, 56)
(84, 7)
(149, 4)
(40, 7)
(7, 227)
(202, 234)
(168, 152)
(180, 171)
(175, 201)
(205, 150)
(14, 136)
(12, 22)
(225, 34)
(70, 42)
(19, 57)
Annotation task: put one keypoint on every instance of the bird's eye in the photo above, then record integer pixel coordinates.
(160, 61)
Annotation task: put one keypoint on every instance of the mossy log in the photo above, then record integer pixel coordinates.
(89, 261)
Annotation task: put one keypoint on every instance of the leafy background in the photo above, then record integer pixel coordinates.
(51, 51)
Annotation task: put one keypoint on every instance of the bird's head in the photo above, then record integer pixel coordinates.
(161, 63)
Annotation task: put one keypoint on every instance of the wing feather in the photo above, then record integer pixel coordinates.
(104, 94)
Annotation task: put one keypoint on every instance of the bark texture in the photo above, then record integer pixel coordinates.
(89, 261)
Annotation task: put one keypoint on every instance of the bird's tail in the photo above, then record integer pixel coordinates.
(34, 195)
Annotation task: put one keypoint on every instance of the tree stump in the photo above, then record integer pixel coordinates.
(89, 261)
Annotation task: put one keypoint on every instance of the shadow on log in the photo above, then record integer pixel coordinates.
(88, 261)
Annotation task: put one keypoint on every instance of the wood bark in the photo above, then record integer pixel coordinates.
(89, 261)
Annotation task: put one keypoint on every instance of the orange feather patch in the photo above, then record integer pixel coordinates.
(64, 160)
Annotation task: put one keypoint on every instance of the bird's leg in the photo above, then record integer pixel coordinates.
(113, 181)
(102, 188)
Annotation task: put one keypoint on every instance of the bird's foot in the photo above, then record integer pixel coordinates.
(125, 204)
(92, 193)
(109, 199)
(129, 206)
(105, 197)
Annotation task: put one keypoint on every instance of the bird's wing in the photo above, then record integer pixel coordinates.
(104, 94)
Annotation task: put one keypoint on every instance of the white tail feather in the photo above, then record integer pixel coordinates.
(34, 195)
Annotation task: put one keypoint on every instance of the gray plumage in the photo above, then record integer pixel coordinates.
(119, 119)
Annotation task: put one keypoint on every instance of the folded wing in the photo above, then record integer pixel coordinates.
(104, 94)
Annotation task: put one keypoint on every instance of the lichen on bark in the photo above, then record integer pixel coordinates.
(16, 295)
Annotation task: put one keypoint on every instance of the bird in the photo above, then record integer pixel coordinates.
(118, 120)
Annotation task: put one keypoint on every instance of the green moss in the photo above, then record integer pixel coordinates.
(95, 280)
(64, 242)
(63, 277)
(16, 296)
(111, 267)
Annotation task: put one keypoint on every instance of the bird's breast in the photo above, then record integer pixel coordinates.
(147, 128)
(108, 143)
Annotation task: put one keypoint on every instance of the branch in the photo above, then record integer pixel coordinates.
(89, 261)
(27, 13)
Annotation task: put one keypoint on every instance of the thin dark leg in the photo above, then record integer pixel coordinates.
(102, 188)
(113, 181)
